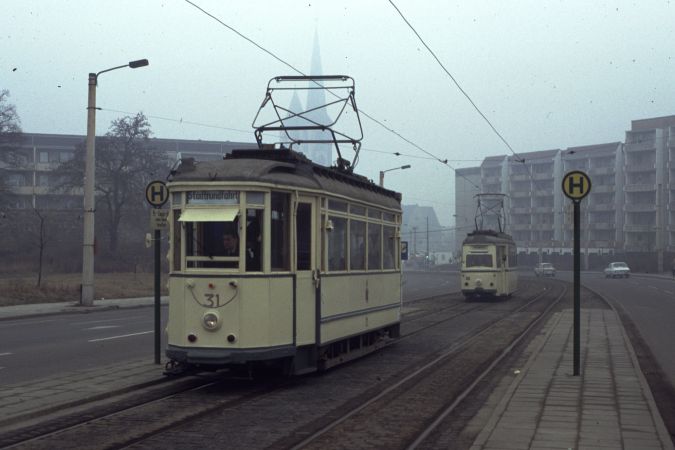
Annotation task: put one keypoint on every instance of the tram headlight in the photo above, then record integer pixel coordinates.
(211, 321)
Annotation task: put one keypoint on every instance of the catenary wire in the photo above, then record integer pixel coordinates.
(365, 114)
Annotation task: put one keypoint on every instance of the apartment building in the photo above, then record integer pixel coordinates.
(31, 178)
(631, 207)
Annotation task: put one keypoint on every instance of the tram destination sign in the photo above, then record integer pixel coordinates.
(212, 197)
(576, 185)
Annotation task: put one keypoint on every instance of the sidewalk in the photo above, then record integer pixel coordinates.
(609, 406)
(41, 309)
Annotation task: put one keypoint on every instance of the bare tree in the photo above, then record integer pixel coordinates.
(10, 138)
(125, 163)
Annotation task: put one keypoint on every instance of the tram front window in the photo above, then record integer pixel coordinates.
(212, 245)
(478, 260)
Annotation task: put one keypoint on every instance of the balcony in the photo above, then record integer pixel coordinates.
(602, 225)
(639, 187)
(639, 207)
(642, 167)
(542, 227)
(520, 226)
(602, 188)
(520, 194)
(600, 171)
(602, 207)
(542, 209)
(639, 146)
(521, 210)
(542, 176)
(542, 193)
(520, 177)
(638, 228)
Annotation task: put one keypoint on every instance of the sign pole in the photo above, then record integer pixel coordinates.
(577, 288)
(158, 244)
(157, 194)
(576, 185)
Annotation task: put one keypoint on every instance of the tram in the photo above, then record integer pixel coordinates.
(488, 265)
(489, 256)
(278, 261)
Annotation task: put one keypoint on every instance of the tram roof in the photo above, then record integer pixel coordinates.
(284, 167)
(488, 237)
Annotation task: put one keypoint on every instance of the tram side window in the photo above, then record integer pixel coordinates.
(304, 237)
(374, 246)
(513, 256)
(357, 245)
(478, 260)
(175, 243)
(280, 253)
(254, 233)
(501, 256)
(337, 244)
(389, 247)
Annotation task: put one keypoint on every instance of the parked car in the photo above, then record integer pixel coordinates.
(544, 270)
(617, 270)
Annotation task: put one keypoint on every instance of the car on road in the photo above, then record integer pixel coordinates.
(617, 270)
(544, 270)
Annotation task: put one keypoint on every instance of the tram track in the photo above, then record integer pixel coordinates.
(110, 427)
(149, 419)
(442, 386)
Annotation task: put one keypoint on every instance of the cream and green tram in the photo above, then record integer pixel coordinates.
(315, 278)
(489, 266)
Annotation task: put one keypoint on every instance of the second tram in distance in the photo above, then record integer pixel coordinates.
(489, 266)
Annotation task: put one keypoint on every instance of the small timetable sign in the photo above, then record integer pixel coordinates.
(158, 219)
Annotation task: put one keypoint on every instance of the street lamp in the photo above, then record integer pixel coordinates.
(407, 166)
(87, 292)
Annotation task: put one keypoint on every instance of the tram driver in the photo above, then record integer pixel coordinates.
(230, 244)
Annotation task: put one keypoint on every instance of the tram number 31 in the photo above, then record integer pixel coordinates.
(214, 301)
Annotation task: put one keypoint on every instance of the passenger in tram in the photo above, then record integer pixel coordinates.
(230, 244)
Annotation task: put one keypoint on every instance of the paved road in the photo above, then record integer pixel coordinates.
(36, 347)
(33, 348)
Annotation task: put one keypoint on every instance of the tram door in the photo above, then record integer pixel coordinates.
(305, 261)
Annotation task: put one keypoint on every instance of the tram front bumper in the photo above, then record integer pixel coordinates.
(226, 356)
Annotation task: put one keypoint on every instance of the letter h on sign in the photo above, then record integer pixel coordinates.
(157, 193)
(576, 182)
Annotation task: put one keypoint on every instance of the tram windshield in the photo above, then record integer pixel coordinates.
(479, 261)
(212, 244)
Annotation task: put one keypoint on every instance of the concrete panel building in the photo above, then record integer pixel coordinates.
(630, 210)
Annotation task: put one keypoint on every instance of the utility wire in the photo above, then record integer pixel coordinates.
(181, 121)
(455, 81)
(442, 161)
(518, 157)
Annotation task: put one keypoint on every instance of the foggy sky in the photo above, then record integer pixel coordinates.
(548, 74)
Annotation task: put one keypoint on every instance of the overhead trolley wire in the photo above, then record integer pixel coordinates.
(229, 27)
(454, 80)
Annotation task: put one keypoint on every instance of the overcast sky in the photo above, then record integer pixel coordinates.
(547, 74)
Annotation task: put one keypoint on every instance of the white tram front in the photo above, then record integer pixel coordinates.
(489, 266)
(314, 278)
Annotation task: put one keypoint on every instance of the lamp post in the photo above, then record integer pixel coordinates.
(407, 166)
(87, 292)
